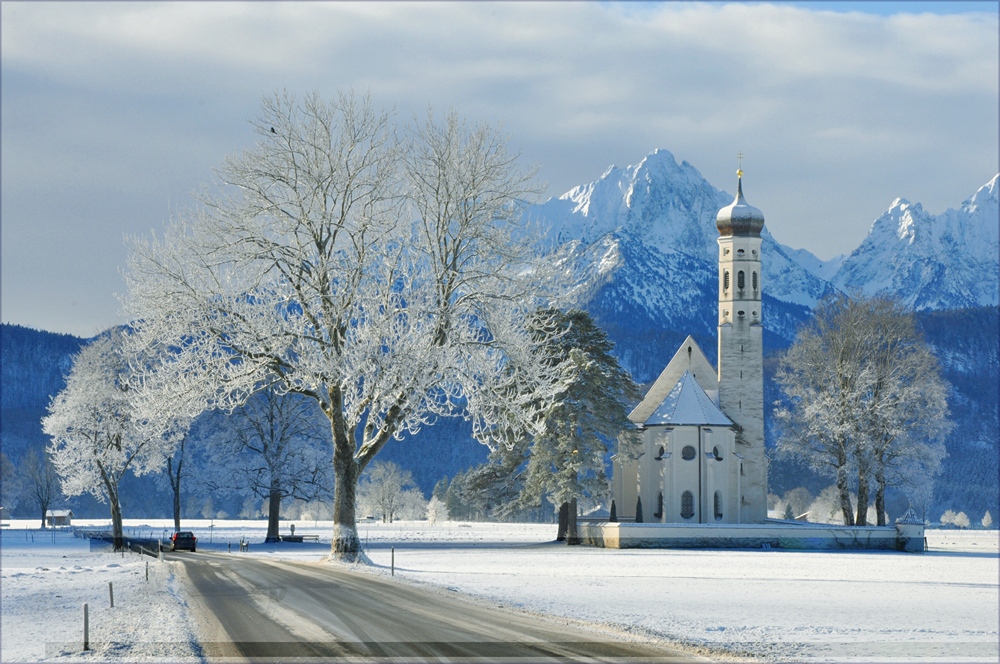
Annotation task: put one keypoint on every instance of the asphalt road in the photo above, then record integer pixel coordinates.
(266, 610)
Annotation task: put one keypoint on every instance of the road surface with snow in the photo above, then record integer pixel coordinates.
(258, 609)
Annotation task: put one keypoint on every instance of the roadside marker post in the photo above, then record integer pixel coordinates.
(111, 594)
(393, 568)
(147, 570)
(86, 627)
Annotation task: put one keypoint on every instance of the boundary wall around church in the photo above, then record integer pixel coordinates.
(775, 535)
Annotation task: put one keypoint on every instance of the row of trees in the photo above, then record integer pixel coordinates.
(274, 447)
(864, 402)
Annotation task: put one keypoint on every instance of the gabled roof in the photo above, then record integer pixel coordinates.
(687, 404)
(688, 358)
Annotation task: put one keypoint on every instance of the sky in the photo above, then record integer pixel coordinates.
(114, 113)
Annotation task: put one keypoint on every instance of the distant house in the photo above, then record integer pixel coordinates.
(55, 518)
(4, 513)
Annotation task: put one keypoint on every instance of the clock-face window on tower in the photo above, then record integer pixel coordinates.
(688, 453)
(755, 281)
(725, 280)
(741, 280)
(739, 252)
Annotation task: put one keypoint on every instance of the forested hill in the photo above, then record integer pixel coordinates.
(967, 342)
(33, 369)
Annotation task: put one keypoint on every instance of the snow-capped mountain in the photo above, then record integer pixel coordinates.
(639, 246)
(945, 261)
(668, 209)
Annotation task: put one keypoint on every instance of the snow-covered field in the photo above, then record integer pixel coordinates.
(47, 576)
(778, 605)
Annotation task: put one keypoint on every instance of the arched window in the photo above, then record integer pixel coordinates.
(755, 281)
(718, 505)
(717, 452)
(658, 514)
(741, 280)
(660, 453)
(688, 453)
(725, 280)
(687, 505)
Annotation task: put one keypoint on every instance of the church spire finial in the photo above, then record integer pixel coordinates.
(739, 171)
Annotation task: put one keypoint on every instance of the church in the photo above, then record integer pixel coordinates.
(701, 458)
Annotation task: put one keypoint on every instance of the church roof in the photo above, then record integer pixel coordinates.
(689, 357)
(687, 404)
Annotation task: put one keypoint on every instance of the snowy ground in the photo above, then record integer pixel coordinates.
(47, 576)
(777, 605)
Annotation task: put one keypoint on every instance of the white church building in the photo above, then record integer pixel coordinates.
(699, 475)
(702, 427)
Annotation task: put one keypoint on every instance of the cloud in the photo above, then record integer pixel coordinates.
(122, 109)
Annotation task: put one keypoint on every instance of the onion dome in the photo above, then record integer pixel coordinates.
(739, 218)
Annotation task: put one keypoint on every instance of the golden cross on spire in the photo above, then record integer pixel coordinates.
(739, 155)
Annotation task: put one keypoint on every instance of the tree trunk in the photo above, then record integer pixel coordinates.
(175, 485)
(117, 534)
(880, 492)
(273, 513)
(563, 522)
(45, 508)
(845, 494)
(572, 533)
(346, 545)
(177, 510)
(862, 519)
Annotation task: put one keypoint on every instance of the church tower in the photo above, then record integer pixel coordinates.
(741, 355)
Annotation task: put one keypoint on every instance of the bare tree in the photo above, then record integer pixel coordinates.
(865, 397)
(39, 480)
(175, 475)
(904, 409)
(96, 437)
(311, 273)
(272, 447)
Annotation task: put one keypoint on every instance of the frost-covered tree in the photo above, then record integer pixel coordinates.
(385, 279)
(961, 520)
(39, 480)
(387, 490)
(948, 518)
(273, 447)
(566, 461)
(798, 499)
(904, 416)
(987, 520)
(437, 510)
(96, 436)
(865, 401)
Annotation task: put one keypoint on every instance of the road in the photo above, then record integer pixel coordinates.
(267, 610)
